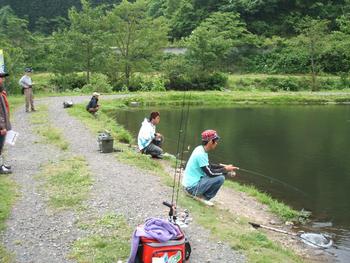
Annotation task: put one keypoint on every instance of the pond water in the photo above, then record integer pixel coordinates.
(306, 149)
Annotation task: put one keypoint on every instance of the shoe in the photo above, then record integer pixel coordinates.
(206, 202)
(4, 170)
(27, 110)
(157, 156)
(33, 109)
(7, 166)
(199, 198)
(203, 201)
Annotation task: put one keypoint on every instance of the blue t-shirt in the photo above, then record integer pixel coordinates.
(193, 171)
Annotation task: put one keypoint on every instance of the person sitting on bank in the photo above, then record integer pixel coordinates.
(93, 106)
(27, 88)
(149, 141)
(201, 179)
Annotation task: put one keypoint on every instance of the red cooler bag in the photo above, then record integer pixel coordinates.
(152, 251)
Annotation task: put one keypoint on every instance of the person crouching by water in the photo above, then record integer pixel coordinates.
(203, 180)
(149, 141)
(27, 88)
(93, 105)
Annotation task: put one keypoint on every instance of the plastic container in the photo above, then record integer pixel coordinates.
(105, 142)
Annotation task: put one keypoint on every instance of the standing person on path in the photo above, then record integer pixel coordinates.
(5, 124)
(93, 105)
(27, 88)
(203, 180)
(148, 140)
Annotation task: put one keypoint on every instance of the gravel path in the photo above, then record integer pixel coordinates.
(35, 234)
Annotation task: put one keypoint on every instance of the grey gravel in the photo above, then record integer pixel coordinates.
(35, 234)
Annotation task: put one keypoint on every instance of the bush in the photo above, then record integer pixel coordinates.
(147, 83)
(214, 81)
(64, 82)
(99, 83)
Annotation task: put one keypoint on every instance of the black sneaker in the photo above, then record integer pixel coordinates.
(7, 166)
(4, 170)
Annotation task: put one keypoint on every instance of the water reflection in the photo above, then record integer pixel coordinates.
(304, 146)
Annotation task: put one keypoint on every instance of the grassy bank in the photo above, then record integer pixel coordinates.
(223, 225)
(229, 98)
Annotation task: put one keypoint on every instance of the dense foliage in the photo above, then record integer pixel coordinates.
(121, 39)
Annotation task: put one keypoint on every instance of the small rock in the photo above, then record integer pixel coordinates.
(289, 223)
(272, 222)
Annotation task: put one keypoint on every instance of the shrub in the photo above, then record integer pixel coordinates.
(64, 82)
(147, 83)
(99, 83)
(214, 81)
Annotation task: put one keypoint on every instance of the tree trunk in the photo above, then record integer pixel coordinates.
(313, 68)
(127, 75)
(88, 66)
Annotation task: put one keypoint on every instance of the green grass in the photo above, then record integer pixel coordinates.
(101, 122)
(230, 98)
(276, 207)
(5, 256)
(108, 240)
(43, 127)
(15, 101)
(238, 234)
(67, 183)
(7, 198)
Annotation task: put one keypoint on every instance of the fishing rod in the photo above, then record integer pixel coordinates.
(307, 237)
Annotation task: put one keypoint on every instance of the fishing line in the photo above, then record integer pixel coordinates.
(181, 135)
(183, 150)
(270, 178)
(273, 179)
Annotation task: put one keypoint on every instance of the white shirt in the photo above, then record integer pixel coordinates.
(146, 134)
(25, 81)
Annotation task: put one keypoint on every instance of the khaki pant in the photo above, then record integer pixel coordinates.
(28, 93)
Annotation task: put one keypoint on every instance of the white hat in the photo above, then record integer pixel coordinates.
(95, 94)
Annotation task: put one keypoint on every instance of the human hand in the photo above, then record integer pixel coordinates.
(3, 132)
(229, 167)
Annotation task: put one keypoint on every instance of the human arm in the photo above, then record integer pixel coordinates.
(213, 170)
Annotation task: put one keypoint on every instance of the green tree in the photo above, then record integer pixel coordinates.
(214, 38)
(184, 21)
(87, 34)
(312, 38)
(136, 37)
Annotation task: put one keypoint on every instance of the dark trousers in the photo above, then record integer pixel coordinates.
(153, 148)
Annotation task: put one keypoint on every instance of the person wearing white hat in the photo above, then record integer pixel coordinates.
(93, 105)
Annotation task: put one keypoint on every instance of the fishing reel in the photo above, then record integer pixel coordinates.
(182, 220)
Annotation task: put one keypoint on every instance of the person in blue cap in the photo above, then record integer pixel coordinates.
(203, 180)
(27, 88)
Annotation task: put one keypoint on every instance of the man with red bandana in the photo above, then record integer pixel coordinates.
(203, 180)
